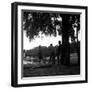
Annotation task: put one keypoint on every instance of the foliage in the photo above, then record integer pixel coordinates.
(48, 23)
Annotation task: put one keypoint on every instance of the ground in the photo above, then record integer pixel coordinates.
(32, 69)
(50, 70)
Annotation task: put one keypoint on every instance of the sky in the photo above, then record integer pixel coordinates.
(42, 40)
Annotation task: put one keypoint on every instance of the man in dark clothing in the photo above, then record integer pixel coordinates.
(59, 52)
(52, 54)
(40, 54)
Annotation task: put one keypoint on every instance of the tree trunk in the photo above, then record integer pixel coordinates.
(65, 57)
(78, 52)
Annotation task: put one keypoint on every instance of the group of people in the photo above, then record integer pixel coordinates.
(54, 52)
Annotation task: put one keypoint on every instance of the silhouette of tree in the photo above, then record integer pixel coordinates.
(68, 22)
(49, 24)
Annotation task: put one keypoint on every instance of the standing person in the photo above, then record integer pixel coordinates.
(56, 52)
(59, 52)
(52, 54)
(40, 54)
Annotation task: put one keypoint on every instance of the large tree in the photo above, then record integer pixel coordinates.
(49, 23)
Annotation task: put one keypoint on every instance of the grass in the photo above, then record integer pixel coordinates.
(41, 69)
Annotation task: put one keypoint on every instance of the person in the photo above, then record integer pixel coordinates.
(56, 53)
(40, 54)
(52, 54)
(59, 52)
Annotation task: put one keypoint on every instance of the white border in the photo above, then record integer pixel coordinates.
(52, 78)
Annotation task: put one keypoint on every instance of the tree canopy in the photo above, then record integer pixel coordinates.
(48, 23)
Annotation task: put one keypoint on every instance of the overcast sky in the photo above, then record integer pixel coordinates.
(42, 40)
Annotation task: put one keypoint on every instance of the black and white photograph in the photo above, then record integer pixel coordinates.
(50, 44)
